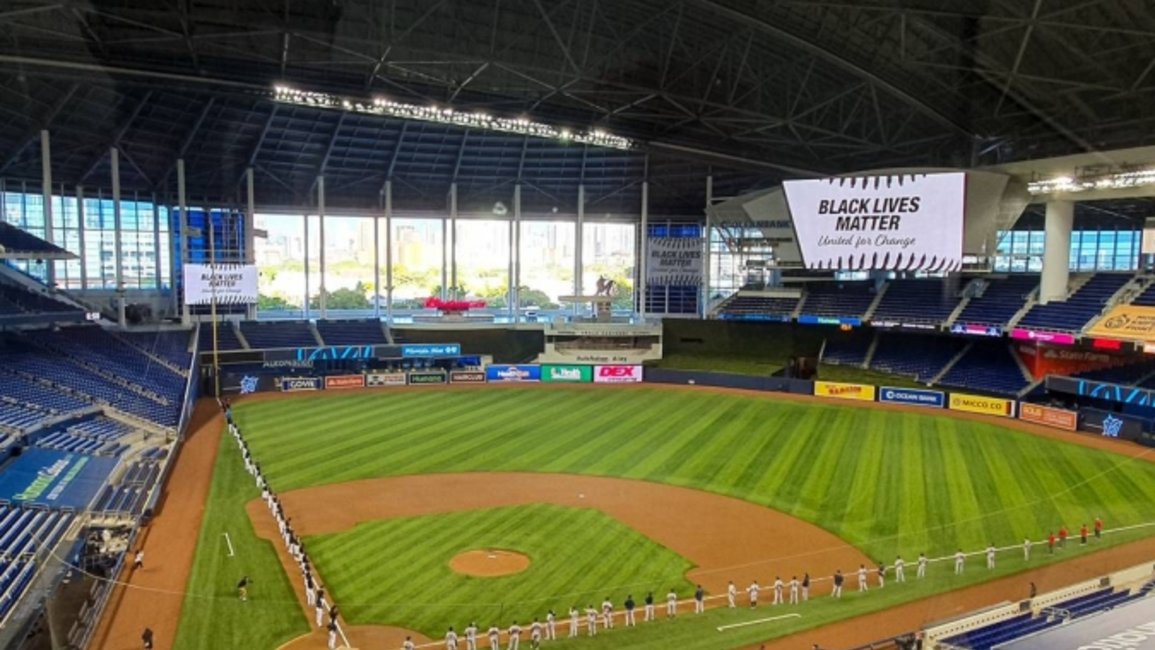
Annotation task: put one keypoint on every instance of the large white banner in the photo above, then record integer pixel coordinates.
(231, 284)
(898, 222)
(674, 261)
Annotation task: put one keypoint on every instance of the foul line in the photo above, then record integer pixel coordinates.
(757, 621)
(229, 541)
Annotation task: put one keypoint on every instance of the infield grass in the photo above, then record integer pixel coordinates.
(889, 482)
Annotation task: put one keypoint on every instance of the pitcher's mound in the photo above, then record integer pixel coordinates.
(489, 563)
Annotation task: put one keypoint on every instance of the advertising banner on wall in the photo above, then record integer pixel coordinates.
(499, 373)
(246, 383)
(1054, 338)
(341, 382)
(1130, 322)
(861, 392)
(566, 373)
(913, 396)
(1110, 425)
(617, 374)
(380, 379)
(1044, 360)
(427, 377)
(227, 284)
(431, 350)
(674, 261)
(294, 384)
(973, 329)
(981, 404)
(467, 377)
(1101, 390)
(898, 222)
(1049, 416)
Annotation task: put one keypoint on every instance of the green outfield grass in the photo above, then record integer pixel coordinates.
(888, 482)
(397, 571)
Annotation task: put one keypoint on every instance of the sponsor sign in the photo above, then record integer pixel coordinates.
(674, 261)
(246, 384)
(54, 478)
(1043, 360)
(976, 330)
(1056, 338)
(917, 397)
(227, 284)
(426, 377)
(1107, 344)
(617, 374)
(1101, 390)
(292, 364)
(566, 373)
(431, 350)
(980, 404)
(294, 384)
(765, 318)
(1049, 416)
(339, 382)
(808, 319)
(1129, 322)
(861, 392)
(512, 373)
(467, 377)
(898, 222)
(1110, 425)
(894, 324)
(378, 379)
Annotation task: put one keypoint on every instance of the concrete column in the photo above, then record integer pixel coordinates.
(250, 240)
(46, 192)
(579, 248)
(509, 273)
(389, 252)
(80, 235)
(516, 252)
(377, 257)
(643, 240)
(183, 238)
(444, 259)
(704, 294)
(156, 241)
(453, 237)
(305, 225)
(1057, 251)
(321, 244)
(114, 161)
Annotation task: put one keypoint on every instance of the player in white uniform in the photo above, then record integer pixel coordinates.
(752, 592)
(777, 590)
(671, 604)
(793, 590)
(514, 636)
(592, 620)
(731, 594)
(535, 635)
(551, 626)
(408, 645)
(991, 556)
(899, 569)
(960, 559)
(471, 636)
(451, 640)
(862, 585)
(607, 614)
(494, 634)
(1027, 549)
(574, 617)
(922, 561)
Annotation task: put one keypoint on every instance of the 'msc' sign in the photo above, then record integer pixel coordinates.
(913, 396)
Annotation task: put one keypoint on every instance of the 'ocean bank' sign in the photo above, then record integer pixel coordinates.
(913, 396)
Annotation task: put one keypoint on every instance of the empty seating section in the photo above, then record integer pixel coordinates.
(1001, 300)
(109, 355)
(1085, 303)
(16, 300)
(226, 337)
(38, 395)
(921, 357)
(988, 367)
(848, 349)
(838, 298)
(14, 416)
(172, 346)
(916, 301)
(747, 305)
(1095, 601)
(989, 636)
(351, 332)
(1131, 373)
(283, 334)
(97, 436)
(24, 534)
(1146, 298)
(130, 495)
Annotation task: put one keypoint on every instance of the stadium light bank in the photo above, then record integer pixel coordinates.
(1104, 181)
(444, 115)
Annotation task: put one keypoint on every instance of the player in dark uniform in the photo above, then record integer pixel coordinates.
(146, 637)
(243, 588)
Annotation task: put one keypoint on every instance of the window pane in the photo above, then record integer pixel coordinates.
(280, 259)
(547, 261)
(608, 251)
(417, 255)
(483, 260)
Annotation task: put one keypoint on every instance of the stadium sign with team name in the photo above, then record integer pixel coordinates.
(569, 374)
(894, 221)
(467, 377)
(913, 396)
(502, 373)
(340, 382)
(380, 379)
(294, 384)
(617, 374)
(426, 378)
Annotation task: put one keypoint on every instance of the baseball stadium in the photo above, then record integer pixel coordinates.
(575, 324)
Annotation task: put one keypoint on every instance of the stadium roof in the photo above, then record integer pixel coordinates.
(752, 91)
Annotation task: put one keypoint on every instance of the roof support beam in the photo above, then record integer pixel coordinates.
(831, 57)
(188, 140)
(116, 138)
(1023, 43)
(460, 155)
(34, 133)
(252, 159)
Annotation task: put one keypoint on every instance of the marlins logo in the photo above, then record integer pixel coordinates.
(248, 384)
(1112, 426)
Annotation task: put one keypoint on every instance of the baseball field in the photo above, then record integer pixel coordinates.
(616, 491)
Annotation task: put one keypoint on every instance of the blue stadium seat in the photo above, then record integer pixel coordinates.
(987, 367)
(1086, 303)
(917, 301)
(751, 306)
(351, 332)
(914, 355)
(278, 334)
(846, 299)
(1001, 300)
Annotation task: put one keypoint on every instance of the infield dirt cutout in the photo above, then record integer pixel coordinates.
(489, 563)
